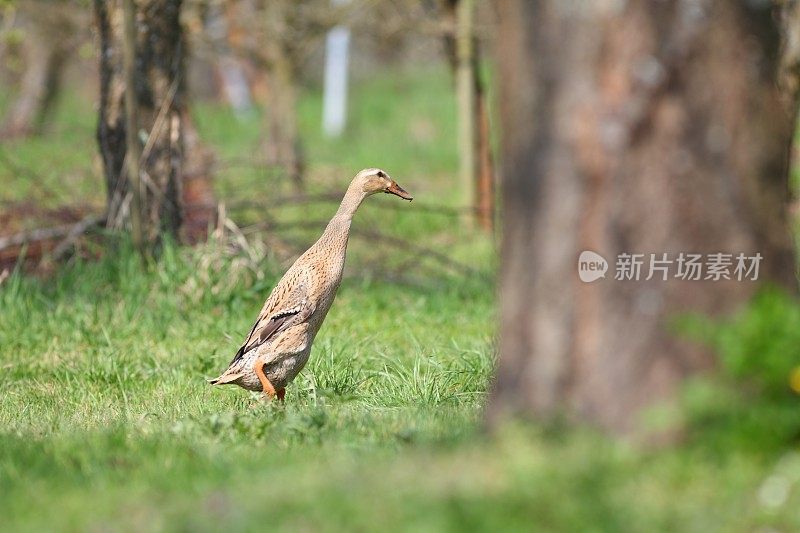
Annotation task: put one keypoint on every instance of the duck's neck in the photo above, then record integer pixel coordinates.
(338, 229)
(352, 199)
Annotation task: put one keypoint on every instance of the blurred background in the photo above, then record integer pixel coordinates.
(250, 92)
(163, 162)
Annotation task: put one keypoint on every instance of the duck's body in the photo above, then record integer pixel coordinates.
(279, 344)
(286, 353)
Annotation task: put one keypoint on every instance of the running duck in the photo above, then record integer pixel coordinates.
(279, 344)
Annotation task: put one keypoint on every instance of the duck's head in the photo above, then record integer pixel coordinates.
(375, 180)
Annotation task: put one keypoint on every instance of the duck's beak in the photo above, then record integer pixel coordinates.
(397, 190)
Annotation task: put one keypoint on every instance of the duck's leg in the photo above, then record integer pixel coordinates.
(269, 390)
(281, 393)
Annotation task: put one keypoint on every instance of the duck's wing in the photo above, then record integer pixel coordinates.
(289, 304)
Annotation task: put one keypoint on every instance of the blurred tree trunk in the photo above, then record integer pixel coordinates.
(50, 31)
(640, 128)
(465, 98)
(475, 152)
(790, 79)
(221, 29)
(198, 199)
(159, 110)
(484, 183)
(283, 139)
(243, 39)
(790, 49)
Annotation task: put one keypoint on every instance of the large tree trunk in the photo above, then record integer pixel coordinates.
(158, 104)
(643, 127)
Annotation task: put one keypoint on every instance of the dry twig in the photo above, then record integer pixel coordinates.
(55, 232)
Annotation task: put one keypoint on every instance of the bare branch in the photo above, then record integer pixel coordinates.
(46, 234)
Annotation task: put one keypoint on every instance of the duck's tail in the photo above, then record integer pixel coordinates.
(225, 378)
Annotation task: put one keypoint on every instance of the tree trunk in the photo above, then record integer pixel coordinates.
(790, 49)
(465, 93)
(476, 166)
(283, 139)
(652, 127)
(199, 201)
(159, 105)
(50, 36)
(221, 29)
(484, 180)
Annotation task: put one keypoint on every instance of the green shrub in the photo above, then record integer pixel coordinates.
(753, 401)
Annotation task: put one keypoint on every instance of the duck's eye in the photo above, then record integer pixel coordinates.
(381, 174)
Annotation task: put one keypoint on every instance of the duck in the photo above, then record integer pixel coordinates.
(279, 343)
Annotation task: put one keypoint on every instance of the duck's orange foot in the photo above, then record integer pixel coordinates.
(281, 393)
(269, 390)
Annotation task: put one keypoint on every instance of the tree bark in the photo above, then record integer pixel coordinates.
(159, 106)
(646, 127)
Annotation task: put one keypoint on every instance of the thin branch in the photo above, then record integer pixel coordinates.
(131, 125)
(46, 234)
(300, 199)
(415, 248)
(77, 230)
(159, 122)
(418, 250)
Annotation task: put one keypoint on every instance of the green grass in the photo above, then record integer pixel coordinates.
(106, 421)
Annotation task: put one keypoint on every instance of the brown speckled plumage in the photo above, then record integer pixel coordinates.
(281, 338)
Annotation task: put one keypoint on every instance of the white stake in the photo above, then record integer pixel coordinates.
(334, 111)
